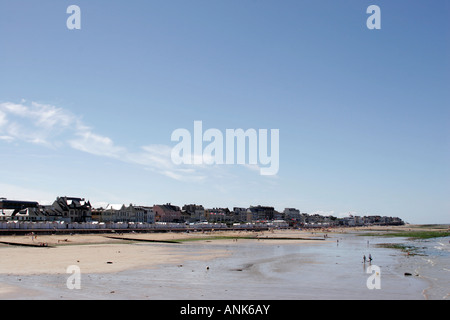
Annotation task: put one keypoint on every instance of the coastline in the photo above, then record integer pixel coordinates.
(241, 256)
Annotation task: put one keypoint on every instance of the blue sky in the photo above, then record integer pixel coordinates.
(363, 114)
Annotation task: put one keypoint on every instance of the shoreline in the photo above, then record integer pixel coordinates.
(123, 256)
(48, 254)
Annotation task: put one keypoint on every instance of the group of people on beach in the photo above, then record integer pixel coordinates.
(370, 258)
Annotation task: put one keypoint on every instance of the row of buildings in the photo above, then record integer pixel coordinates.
(72, 209)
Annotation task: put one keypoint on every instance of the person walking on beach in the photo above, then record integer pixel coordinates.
(370, 258)
(364, 259)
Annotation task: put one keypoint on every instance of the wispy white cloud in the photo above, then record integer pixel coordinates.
(35, 123)
(157, 158)
(53, 127)
(152, 155)
(6, 138)
(2, 119)
(87, 141)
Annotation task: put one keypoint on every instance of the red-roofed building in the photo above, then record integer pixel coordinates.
(167, 213)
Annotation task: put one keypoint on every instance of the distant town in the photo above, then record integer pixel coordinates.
(77, 213)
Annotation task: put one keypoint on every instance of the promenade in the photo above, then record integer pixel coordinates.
(155, 229)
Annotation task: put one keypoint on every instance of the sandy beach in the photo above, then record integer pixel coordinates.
(104, 253)
(295, 264)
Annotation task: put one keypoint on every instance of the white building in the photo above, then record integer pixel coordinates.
(122, 213)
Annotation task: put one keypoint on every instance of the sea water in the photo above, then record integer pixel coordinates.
(431, 262)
